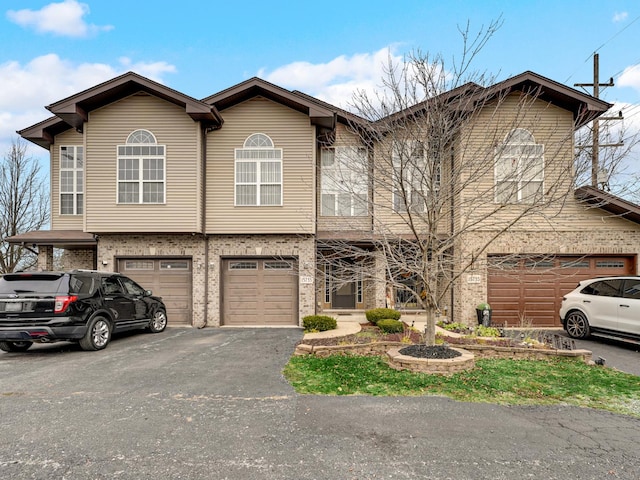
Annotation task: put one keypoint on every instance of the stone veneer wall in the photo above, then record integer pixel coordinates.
(80, 258)
(111, 247)
(301, 247)
(594, 242)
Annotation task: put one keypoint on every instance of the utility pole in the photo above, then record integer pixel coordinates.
(595, 146)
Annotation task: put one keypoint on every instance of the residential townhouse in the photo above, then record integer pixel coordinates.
(225, 206)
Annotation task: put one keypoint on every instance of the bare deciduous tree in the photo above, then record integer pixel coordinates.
(455, 162)
(24, 205)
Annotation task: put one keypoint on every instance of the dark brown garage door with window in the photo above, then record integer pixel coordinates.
(261, 292)
(169, 278)
(529, 291)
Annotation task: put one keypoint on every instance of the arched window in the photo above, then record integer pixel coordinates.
(141, 136)
(141, 169)
(519, 168)
(258, 172)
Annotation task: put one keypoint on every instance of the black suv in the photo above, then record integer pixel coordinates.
(83, 306)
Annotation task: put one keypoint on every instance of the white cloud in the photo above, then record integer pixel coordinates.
(630, 77)
(337, 80)
(64, 19)
(27, 88)
(620, 16)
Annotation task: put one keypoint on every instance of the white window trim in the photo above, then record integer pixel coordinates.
(76, 172)
(275, 155)
(141, 158)
(518, 177)
(356, 184)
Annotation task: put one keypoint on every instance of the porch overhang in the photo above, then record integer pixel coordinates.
(68, 239)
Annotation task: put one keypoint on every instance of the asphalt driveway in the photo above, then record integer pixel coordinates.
(213, 404)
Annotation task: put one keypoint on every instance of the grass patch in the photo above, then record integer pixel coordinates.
(507, 382)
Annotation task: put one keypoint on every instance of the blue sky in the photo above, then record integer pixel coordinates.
(52, 49)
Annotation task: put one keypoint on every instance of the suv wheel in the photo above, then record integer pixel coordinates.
(577, 325)
(158, 322)
(98, 334)
(15, 346)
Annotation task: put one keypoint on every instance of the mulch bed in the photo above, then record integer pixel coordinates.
(439, 352)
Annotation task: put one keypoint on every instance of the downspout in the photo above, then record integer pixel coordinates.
(203, 223)
(452, 227)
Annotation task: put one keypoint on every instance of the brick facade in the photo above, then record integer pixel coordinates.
(300, 247)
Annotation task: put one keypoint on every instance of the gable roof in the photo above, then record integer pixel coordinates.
(319, 114)
(72, 112)
(609, 203)
(466, 97)
(585, 107)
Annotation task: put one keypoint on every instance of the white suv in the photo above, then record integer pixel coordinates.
(609, 305)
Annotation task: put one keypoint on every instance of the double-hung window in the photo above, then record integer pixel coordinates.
(141, 169)
(415, 176)
(258, 172)
(344, 182)
(71, 180)
(519, 169)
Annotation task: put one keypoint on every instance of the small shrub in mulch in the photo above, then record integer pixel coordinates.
(319, 323)
(389, 325)
(376, 314)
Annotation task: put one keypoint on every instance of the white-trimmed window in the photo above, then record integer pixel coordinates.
(71, 180)
(141, 169)
(258, 172)
(414, 176)
(519, 169)
(344, 182)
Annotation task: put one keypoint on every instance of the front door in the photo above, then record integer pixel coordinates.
(344, 296)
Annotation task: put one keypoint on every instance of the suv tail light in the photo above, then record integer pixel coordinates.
(63, 302)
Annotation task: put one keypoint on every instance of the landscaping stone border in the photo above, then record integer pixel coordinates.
(442, 366)
(478, 351)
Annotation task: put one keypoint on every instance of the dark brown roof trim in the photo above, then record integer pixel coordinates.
(318, 114)
(43, 133)
(609, 203)
(74, 109)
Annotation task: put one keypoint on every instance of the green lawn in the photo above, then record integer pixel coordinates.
(507, 382)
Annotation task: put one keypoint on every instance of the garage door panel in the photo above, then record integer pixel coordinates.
(259, 292)
(533, 291)
(173, 284)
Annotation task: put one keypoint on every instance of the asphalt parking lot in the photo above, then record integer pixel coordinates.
(213, 404)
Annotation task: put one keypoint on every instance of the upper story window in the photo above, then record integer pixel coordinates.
(344, 182)
(519, 169)
(71, 180)
(415, 176)
(141, 169)
(258, 172)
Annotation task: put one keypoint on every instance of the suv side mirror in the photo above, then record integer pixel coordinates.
(148, 293)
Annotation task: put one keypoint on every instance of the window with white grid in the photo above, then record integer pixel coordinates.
(415, 176)
(141, 169)
(519, 169)
(344, 182)
(71, 180)
(258, 172)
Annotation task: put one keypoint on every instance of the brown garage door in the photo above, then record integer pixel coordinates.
(529, 291)
(169, 278)
(259, 292)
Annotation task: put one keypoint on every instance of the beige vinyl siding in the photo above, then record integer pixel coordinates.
(344, 138)
(550, 126)
(109, 127)
(290, 131)
(62, 222)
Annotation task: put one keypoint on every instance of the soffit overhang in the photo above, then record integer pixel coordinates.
(608, 202)
(318, 114)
